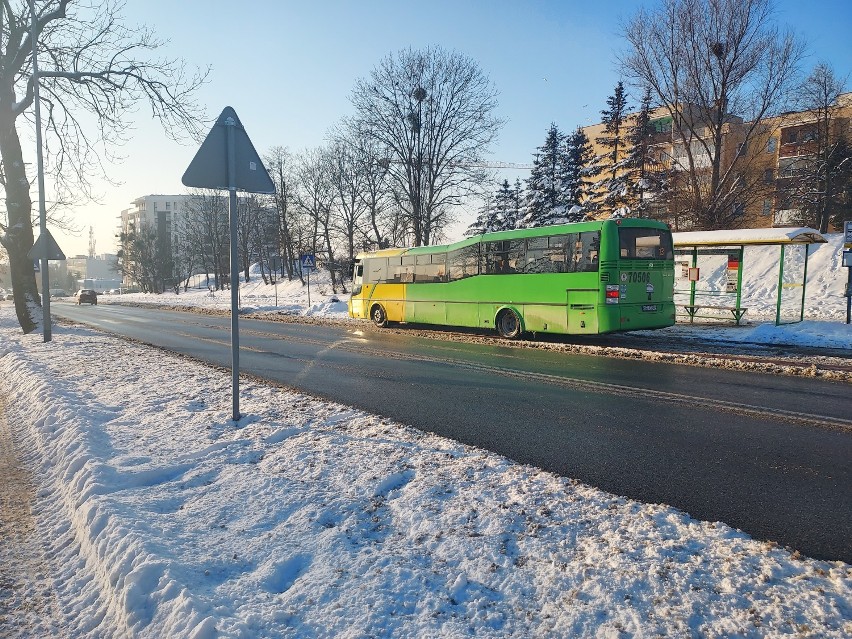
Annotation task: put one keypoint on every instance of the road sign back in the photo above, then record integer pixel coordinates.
(209, 167)
(53, 250)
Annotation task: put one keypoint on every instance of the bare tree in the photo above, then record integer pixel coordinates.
(281, 169)
(375, 192)
(316, 198)
(247, 214)
(205, 226)
(140, 258)
(431, 112)
(349, 179)
(92, 67)
(705, 60)
(817, 180)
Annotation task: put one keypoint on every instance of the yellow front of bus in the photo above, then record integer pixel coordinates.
(369, 287)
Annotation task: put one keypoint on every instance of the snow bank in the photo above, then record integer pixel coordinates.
(313, 519)
(110, 574)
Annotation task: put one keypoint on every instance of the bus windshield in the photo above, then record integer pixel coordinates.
(645, 244)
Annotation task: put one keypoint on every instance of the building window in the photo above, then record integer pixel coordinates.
(768, 176)
(767, 207)
(771, 144)
(742, 148)
(168, 206)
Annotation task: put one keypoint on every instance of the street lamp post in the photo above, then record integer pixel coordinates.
(419, 94)
(45, 276)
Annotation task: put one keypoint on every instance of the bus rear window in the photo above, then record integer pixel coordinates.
(645, 244)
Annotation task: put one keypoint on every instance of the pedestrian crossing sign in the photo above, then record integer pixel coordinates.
(308, 261)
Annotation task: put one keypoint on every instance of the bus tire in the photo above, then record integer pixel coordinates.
(508, 324)
(378, 315)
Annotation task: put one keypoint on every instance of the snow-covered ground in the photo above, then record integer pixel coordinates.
(151, 514)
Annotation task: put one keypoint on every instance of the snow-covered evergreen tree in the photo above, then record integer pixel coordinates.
(646, 176)
(506, 202)
(487, 220)
(545, 187)
(580, 173)
(518, 198)
(500, 212)
(612, 187)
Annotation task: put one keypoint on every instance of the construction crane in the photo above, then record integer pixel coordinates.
(479, 165)
(500, 165)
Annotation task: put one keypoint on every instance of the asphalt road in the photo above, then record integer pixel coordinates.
(767, 454)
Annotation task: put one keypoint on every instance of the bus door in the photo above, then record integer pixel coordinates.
(582, 310)
(356, 301)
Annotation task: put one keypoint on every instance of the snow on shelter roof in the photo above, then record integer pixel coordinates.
(737, 237)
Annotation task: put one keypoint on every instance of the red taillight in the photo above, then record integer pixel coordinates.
(612, 293)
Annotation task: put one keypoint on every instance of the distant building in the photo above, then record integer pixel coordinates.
(780, 149)
(161, 212)
(96, 272)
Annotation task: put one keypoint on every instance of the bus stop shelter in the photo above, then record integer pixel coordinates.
(726, 297)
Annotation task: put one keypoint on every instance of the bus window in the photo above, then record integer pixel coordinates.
(534, 261)
(430, 268)
(464, 262)
(556, 254)
(586, 251)
(645, 244)
(396, 271)
(375, 270)
(502, 257)
(515, 256)
(546, 255)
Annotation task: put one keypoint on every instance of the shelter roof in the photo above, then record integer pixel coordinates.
(738, 237)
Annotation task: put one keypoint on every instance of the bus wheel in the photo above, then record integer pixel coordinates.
(379, 317)
(508, 324)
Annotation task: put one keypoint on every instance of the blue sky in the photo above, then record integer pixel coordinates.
(287, 68)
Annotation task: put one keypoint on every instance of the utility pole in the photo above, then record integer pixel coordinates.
(42, 212)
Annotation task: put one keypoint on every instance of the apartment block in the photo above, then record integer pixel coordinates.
(160, 212)
(779, 149)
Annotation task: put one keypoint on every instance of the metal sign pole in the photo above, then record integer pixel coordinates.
(241, 169)
(230, 126)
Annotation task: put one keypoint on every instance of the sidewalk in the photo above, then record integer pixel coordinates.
(27, 600)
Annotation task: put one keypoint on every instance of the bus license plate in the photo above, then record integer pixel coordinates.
(649, 308)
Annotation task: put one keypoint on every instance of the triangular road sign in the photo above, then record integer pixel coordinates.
(209, 167)
(53, 250)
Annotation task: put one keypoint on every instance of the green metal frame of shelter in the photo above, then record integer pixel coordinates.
(733, 243)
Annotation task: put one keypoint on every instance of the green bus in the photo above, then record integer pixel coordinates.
(584, 278)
